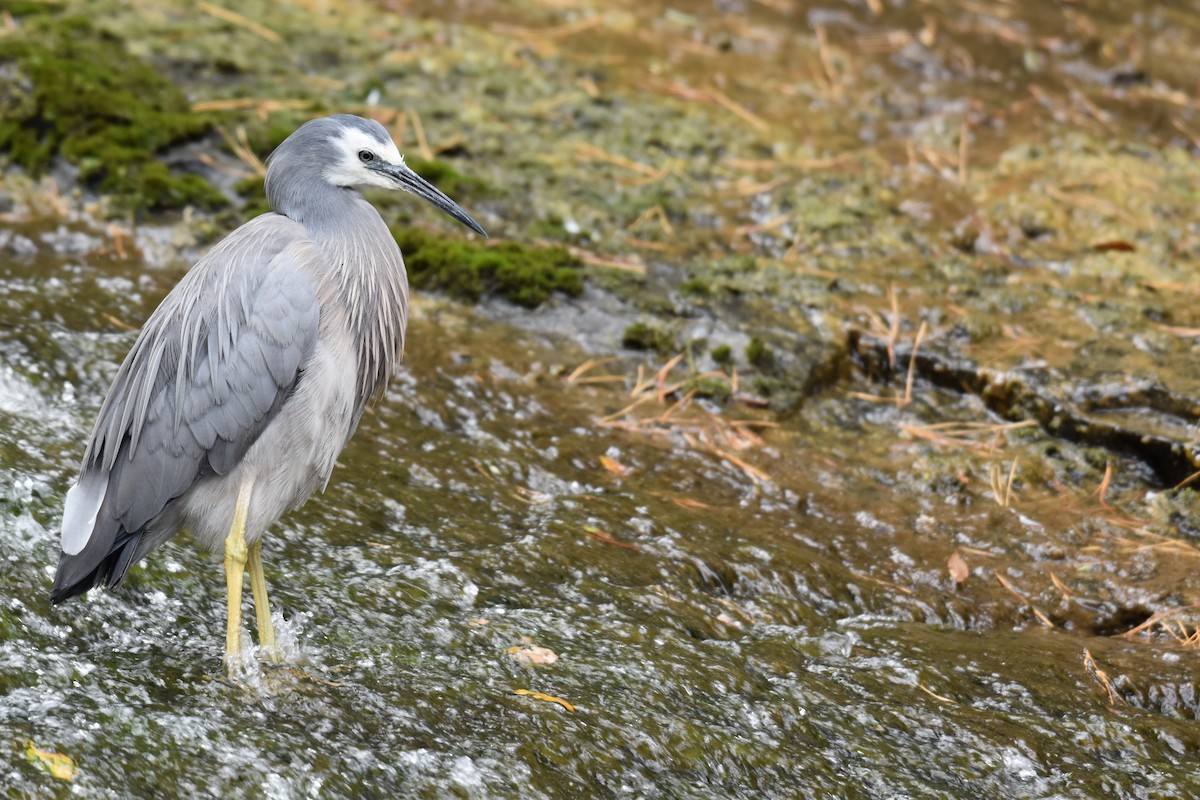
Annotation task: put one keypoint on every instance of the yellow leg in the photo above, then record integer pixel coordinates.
(235, 565)
(262, 606)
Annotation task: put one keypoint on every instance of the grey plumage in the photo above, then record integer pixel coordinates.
(258, 365)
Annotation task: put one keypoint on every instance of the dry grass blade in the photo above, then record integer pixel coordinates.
(1002, 487)
(933, 694)
(593, 153)
(827, 66)
(607, 538)
(1090, 203)
(1158, 619)
(1188, 480)
(749, 469)
(912, 367)
(679, 416)
(1102, 490)
(611, 419)
(880, 581)
(728, 604)
(1182, 127)
(660, 378)
(633, 264)
(687, 502)
(763, 227)
(1180, 331)
(964, 434)
(657, 213)
(1158, 543)
(883, 43)
(120, 324)
(1042, 618)
(711, 96)
(577, 374)
(890, 333)
(240, 145)
(1101, 677)
(419, 132)
(557, 32)
(723, 100)
(674, 251)
(234, 18)
(260, 105)
(1067, 594)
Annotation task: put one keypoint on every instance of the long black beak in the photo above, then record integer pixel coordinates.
(411, 182)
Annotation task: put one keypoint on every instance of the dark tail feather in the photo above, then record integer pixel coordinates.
(78, 573)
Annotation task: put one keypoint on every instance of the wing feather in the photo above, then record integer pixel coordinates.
(209, 371)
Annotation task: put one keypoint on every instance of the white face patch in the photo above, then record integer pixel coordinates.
(349, 170)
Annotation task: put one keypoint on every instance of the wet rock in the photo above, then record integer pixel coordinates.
(70, 242)
(17, 244)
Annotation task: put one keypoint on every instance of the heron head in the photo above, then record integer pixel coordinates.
(364, 155)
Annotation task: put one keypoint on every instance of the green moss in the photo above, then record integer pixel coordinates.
(643, 336)
(525, 275)
(73, 91)
(758, 354)
(253, 192)
(156, 188)
(722, 354)
(711, 387)
(551, 227)
(696, 286)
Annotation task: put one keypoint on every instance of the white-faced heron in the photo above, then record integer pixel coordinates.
(248, 380)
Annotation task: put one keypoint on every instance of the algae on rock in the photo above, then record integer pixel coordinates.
(525, 275)
(69, 90)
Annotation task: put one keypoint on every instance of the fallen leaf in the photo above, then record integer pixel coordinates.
(596, 533)
(687, 502)
(614, 466)
(548, 698)
(1118, 245)
(530, 653)
(957, 565)
(751, 400)
(57, 764)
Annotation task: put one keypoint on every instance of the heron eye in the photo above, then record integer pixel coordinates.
(366, 156)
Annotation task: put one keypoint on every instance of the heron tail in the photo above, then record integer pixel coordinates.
(95, 547)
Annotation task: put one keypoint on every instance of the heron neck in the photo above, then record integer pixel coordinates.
(325, 211)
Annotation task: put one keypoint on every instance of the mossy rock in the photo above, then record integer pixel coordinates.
(759, 354)
(253, 191)
(710, 387)
(468, 271)
(643, 336)
(69, 90)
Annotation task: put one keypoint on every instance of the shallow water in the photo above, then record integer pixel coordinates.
(793, 636)
(720, 600)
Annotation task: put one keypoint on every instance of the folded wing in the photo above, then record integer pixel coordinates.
(211, 368)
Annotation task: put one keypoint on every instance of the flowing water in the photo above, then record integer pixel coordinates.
(715, 634)
(520, 584)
